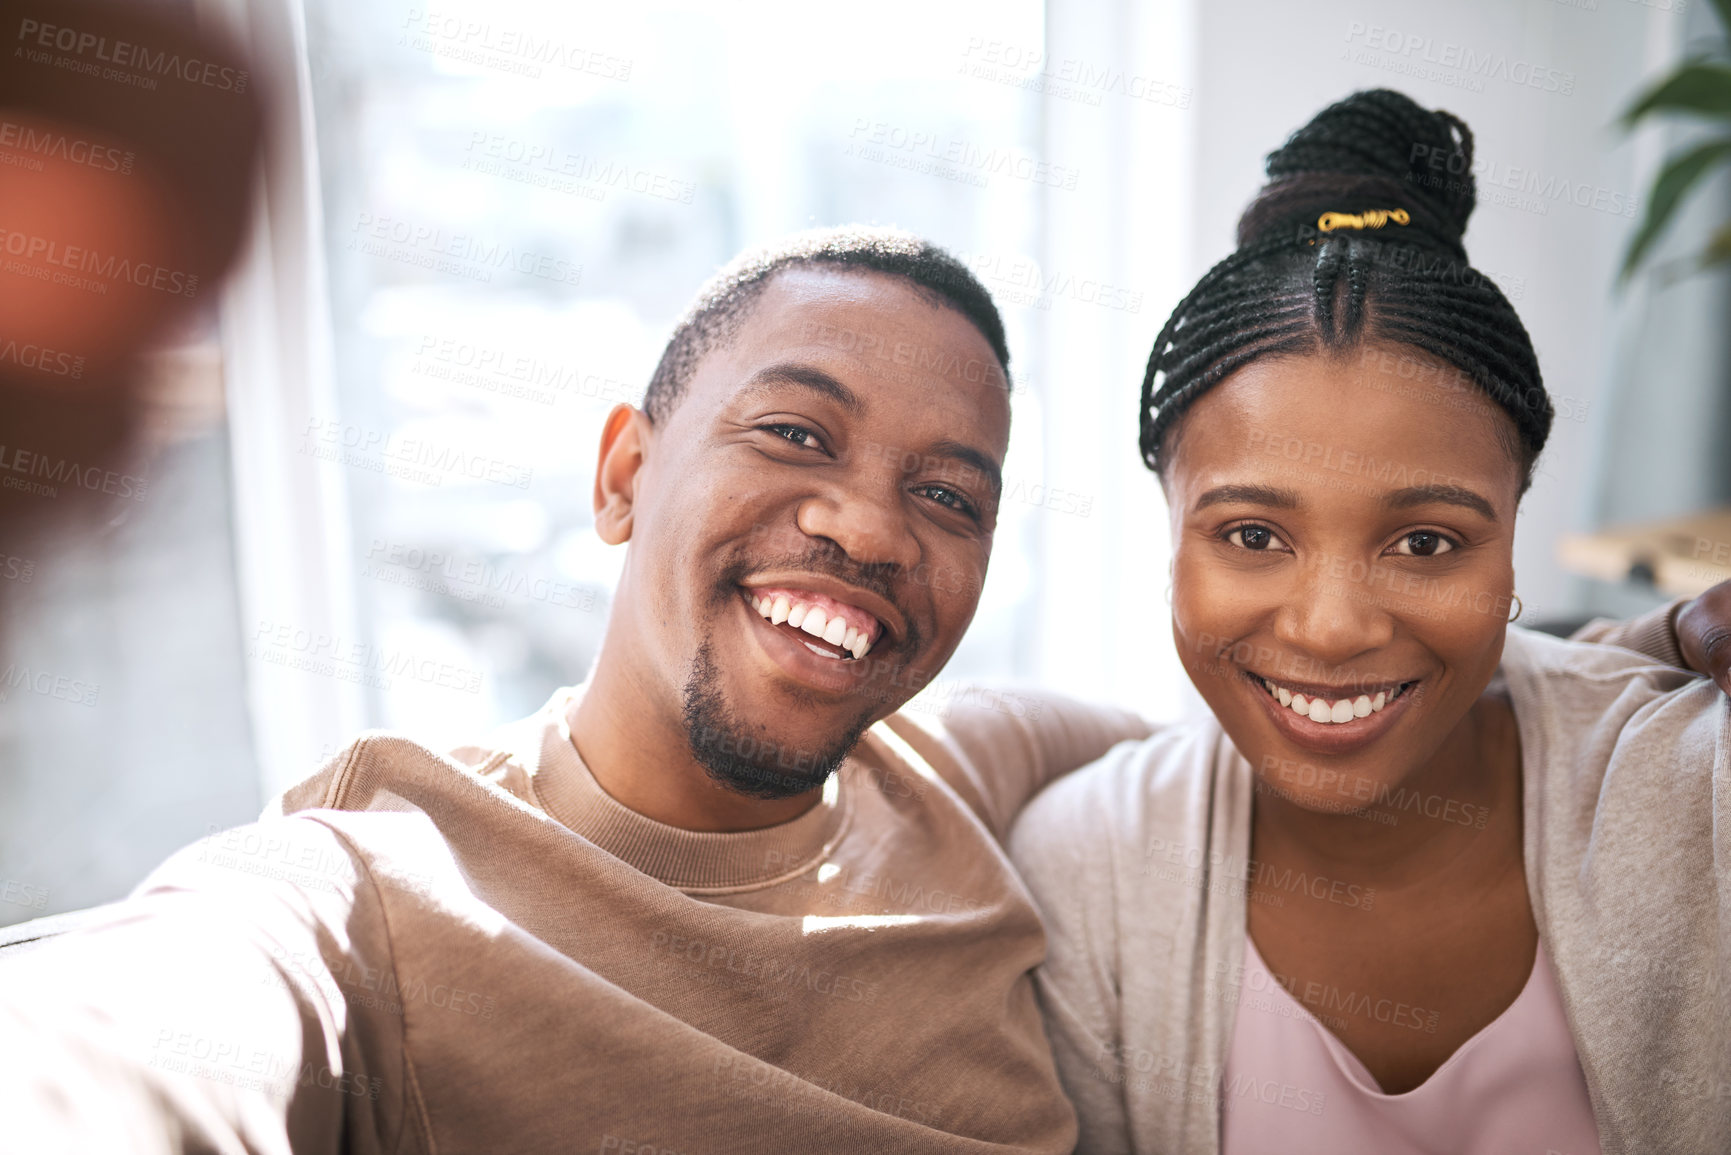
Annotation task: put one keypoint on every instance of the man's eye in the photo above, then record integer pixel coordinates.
(944, 495)
(798, 434)
(1423, 543)
(1256, 537)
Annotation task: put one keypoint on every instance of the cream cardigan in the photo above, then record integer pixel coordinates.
(1627, 816)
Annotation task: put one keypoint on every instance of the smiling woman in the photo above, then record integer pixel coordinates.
(1332, 587)
(1386, 898)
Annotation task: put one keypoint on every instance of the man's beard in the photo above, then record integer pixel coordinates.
(738, 756)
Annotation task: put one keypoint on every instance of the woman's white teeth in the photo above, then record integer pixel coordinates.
(836, 631)
(1334, 713)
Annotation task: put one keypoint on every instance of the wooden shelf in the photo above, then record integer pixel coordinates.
(1683, 557)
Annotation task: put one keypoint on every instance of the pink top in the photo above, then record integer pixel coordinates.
(1515, 1088)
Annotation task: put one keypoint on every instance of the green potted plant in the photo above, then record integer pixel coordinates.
(1701, 87)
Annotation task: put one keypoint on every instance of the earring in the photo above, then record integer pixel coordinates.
(1518, 607)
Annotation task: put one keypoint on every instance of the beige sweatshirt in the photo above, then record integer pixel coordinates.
(485, 952)
(1139, 864)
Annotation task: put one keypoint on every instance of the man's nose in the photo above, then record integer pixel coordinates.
(871, 526)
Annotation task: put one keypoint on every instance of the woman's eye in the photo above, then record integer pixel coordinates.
(1423, 543)
(1256, 537)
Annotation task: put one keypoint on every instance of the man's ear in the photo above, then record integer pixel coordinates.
(624, 446)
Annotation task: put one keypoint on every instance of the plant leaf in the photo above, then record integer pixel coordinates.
(1718, 250)
(1679, 175)
(1697, 86)
(1723, 7)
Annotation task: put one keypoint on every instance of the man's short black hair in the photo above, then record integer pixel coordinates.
(723, 304)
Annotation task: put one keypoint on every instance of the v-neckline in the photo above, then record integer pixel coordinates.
(1351, 1066)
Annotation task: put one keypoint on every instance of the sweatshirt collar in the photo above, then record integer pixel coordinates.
(695, 861)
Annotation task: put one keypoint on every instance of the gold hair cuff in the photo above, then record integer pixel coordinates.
(1374, 219)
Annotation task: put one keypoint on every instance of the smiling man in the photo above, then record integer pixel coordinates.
(809, 533)
(720, 898)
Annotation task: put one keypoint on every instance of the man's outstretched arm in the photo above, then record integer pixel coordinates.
(206, 1013)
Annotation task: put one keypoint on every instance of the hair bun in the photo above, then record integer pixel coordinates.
(1376, 149)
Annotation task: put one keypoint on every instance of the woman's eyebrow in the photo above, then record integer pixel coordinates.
(1247, 494)
(1446, 494)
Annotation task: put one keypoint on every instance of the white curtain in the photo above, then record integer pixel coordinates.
(1104, 623)
(294, 557)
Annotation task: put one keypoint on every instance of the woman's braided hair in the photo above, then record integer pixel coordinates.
(1294, 289)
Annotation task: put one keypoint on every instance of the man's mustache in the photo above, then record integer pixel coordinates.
(828, 560)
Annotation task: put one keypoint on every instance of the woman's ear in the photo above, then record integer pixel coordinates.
(624, 446)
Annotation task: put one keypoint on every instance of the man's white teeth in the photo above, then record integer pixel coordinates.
(836, 631)
(1333, 713)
